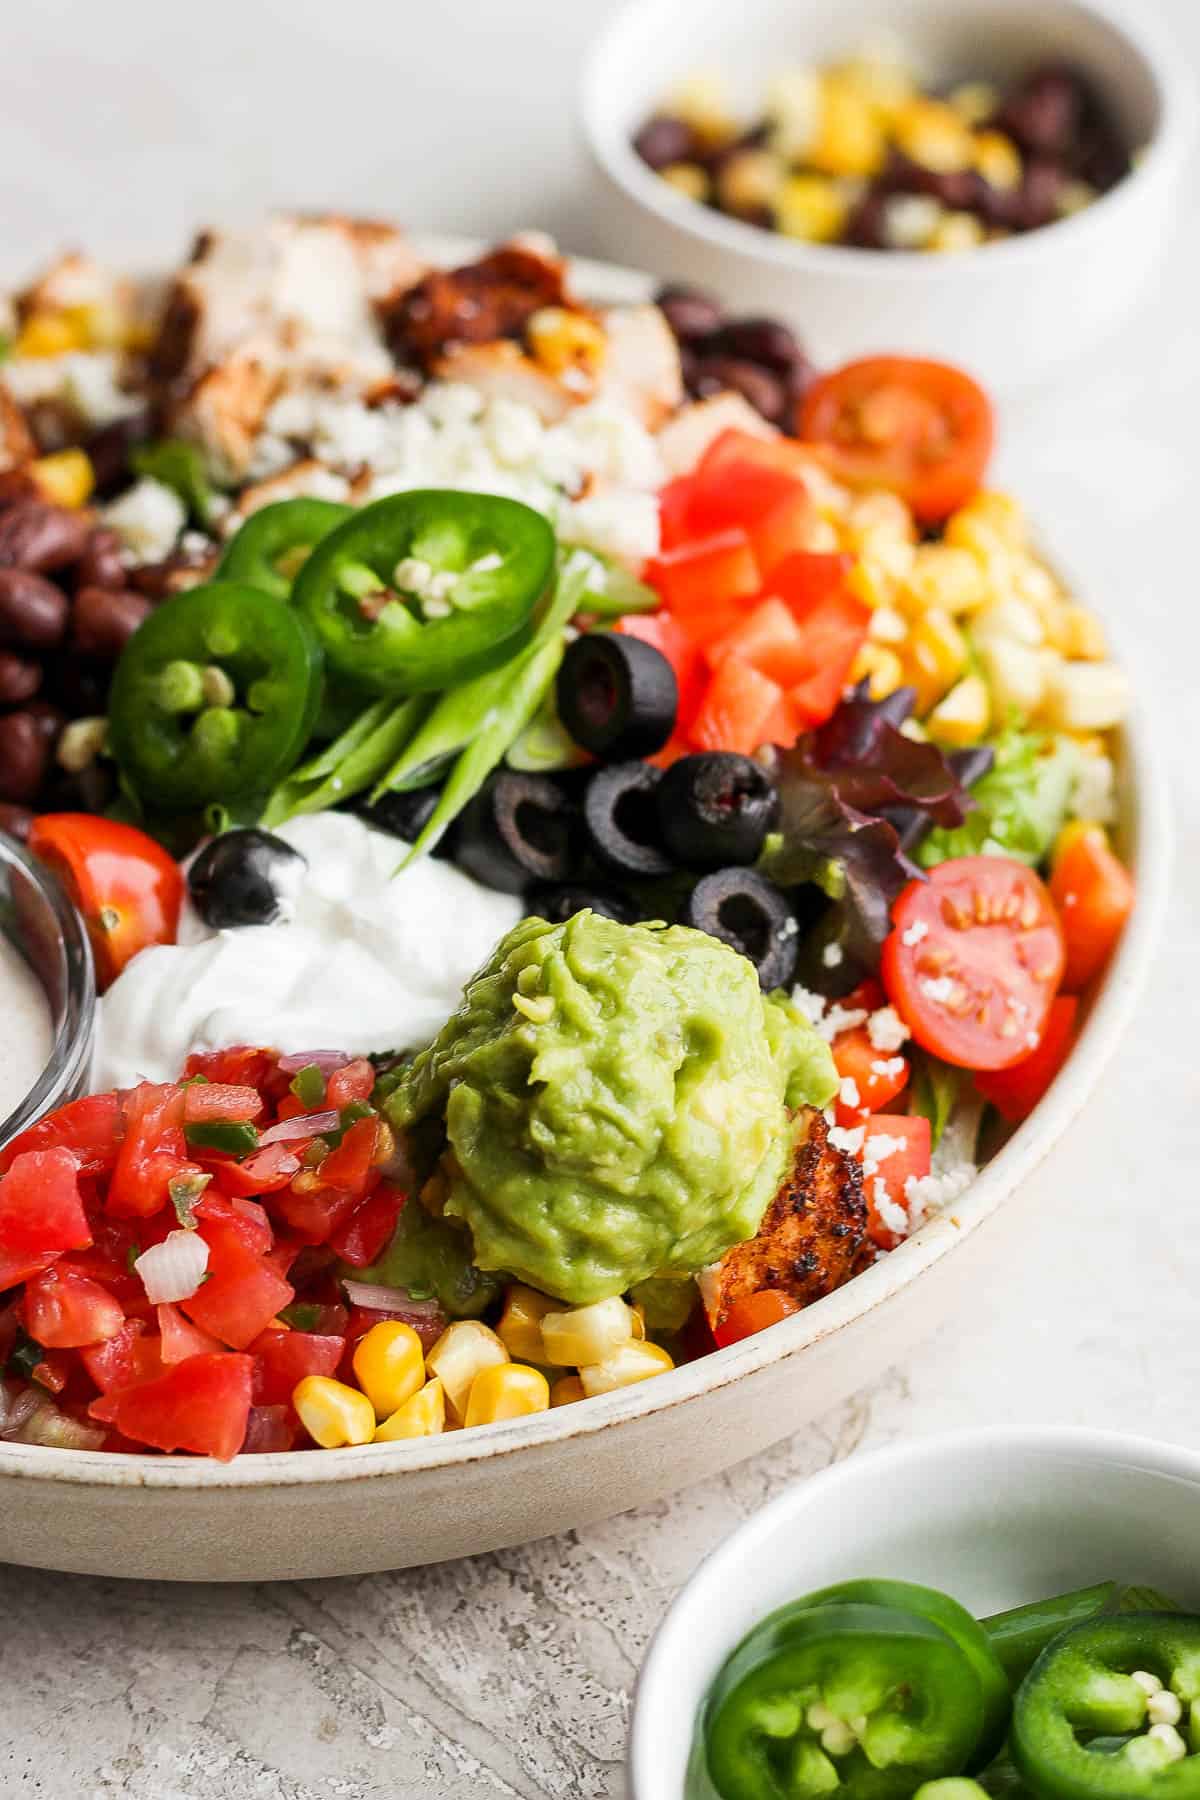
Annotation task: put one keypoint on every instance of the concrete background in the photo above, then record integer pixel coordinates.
(122, 126)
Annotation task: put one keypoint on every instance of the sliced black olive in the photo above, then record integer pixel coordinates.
(401, 815)
(519, 828)
(563, 901)
(622, 819)
(617, 696)
(241, 878)
(716, 808)
(746, 910)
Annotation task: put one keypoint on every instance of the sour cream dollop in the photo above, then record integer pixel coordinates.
(361, 959)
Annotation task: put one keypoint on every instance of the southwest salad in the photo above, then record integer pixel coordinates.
(578, 871)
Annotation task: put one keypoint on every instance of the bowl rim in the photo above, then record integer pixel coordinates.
(1096, 1448)
(1146, 808)
(1147, 37)
(72, 1045)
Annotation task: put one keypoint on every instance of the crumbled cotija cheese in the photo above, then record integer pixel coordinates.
(887, 1030)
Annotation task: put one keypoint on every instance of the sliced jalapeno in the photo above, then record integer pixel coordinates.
(841, 1702)
(426, 588)
(1111, 1711)
(275, 542)
(214, 696)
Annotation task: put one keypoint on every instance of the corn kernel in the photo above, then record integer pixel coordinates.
(509, 1391)
(389, 1364)
(911, 221)
(887, 626)
(561, 339)
(463, 1349)
(64, 479)
(1083, 636)
(520, 1326)
(1009, 619)
(587, 1334)
(688, 179)
(881, 77)
(849, 139)
(935, 656)
(932, 134)
(878, 520)
(794, 109)
(812, 208)
(986, 519)
(945, 576)
(956, 231)
(1086, 696)
(750, 180)
(101, 325)
(1015, 674)
(566, 1391)
(881, 667)
(998, 160)
(702, 101)
(962, 716)
(422, 1415)
(871, 583)
(1074, 197)
(49, 334)
(623, 1366)
(332, 1413)
(974, 102)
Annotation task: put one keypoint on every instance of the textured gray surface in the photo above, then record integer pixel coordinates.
(511, 1674)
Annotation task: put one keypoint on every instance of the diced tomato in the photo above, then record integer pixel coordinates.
(667, 635)
(207, 1100)
(314, 1212)
(90, 1129)
(270, 1429)
(242, 1066)
(286, 1357)
(785, 724)
(242, 1296)
(65, 1310)
(130, 1356)
(127, 887)
(810, 577)
(351, 1167)
(897, 1148)
(867, 997)
(739, 705)
(770, 504)
(41, 1209)
(354, 1081)
(769, 639)
(674, 527)
(782, 454)
(153, 1151)
(18, 1266)
(706, 575)
(975, 981)
(262, 1172)
(200, 1405)
(1094, 895)
(222, 1218)
(1014, 1092)
(364, 1235)
(877, 1078)
(921, 428)
(180, 1339)
(833, 625)
(754, 1313)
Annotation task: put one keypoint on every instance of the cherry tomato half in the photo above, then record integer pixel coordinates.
(974, 961)
(753, 1313)
(923, 429)
(125, 885)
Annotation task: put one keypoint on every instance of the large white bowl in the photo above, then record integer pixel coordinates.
(996, 1517)
(1011, 311)
(338, 1512)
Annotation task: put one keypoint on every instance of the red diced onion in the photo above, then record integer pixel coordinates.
(173, 1270)
(17, 1407)
(328, 1061)
(374, 1298)
(306, 1125)
(267, 1430)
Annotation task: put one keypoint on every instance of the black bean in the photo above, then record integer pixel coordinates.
(20, 678)
(33, 611)
(102, 564)
(691, 313)
(104, 620)
(766, 393)
(109, 450)
(17, 821)
(39, 537)
(24, 756)
(664, 140)
(1044, 111)
(767, 342)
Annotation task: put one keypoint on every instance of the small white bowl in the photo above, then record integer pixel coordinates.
(1011, 311)
(995, 1517)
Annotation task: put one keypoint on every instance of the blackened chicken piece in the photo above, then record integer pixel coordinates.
(813, 1237)
(493, 298)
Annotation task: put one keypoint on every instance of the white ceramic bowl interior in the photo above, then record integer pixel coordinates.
(1011, 311)
(994, 1517)
(333, 1512)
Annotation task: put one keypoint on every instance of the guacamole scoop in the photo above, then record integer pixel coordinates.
(617, 1102)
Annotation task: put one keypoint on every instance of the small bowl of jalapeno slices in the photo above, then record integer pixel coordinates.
(1009, 1613)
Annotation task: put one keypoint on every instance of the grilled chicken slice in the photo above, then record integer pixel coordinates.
(477, 304)
(642, 369)
(813, 1237)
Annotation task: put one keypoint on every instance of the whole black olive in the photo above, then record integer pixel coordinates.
(617, 696)
(560, 902)
(715, 808)
(748, 912)
(622, 819)
(519, 828)
(244, 877)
